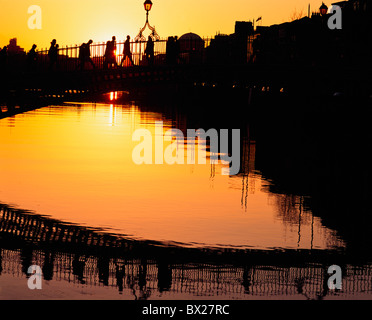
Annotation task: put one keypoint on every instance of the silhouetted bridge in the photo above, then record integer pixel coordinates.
(194, 67)
(143, 269)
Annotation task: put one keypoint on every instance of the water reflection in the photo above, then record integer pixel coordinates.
(102, 266)
(178, 231)
(65, 161)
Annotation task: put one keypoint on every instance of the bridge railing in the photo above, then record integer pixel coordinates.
(68, 57)
(190, 51)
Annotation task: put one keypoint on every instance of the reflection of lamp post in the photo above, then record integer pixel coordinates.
(148, 5)
(323, 9)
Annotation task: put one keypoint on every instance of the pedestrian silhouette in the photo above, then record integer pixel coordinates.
(3, 56)
(107, 54)
(164, 276)
(110, 53)
(48, 266)
(84, 55)
(32, 58)
(176, 50)
(120, 274)
(127, 52)
(53, 54)
(149, 52)
(81, 55)
(78, 265)
(4, 51)
(103, 265)
(170, 49)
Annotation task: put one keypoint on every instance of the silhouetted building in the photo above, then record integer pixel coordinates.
(220, 50)
(191, 48)
(242, 41)
(191, 42)
(310, 41)
(243, 29)
(354, 5)
(355, 36)
(13, 48)
(232, 49)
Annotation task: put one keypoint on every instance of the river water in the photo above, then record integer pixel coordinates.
(74, 163)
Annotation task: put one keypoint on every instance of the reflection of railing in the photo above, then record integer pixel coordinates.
(84, 256)
(35, 228)
(144, 278)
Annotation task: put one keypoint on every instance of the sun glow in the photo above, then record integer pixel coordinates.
(74, 22)
(113, 96)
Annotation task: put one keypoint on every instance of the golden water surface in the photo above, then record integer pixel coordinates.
(74, 163)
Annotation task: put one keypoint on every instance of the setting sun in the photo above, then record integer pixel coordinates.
(72, 22)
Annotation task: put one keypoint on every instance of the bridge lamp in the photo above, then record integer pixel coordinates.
(148, 5)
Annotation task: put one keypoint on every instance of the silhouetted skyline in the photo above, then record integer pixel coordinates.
(71, 22)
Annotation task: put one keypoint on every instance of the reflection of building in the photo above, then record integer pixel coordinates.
(13, 48)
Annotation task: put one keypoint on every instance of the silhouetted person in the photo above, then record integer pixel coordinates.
(142, 274)
(149, 52)
(247, 281)
(81, 55)
(103, 265)
(176, 50)
(164, 276)
(48, 266)
(172, 50)
(78, 266)
(84, 55)
(107, 54)
(120, 274)
(110, 53)
(3, 57)
(4, 51)
(53, 53)
(32, 57)
(127, 52)
(300, 282)
(113, 51)
(169, 50)
(26, 258)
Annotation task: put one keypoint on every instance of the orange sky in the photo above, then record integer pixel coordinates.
(74, 22)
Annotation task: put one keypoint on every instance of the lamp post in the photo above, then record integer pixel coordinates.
(147, 5)
(323, 9)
